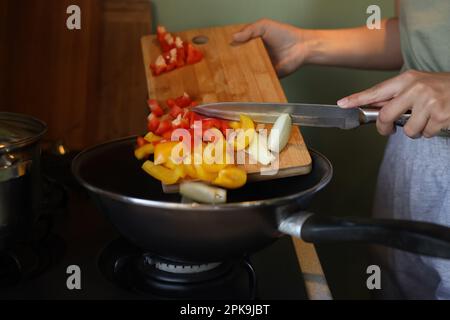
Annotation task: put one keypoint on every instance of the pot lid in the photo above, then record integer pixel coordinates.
(17, 130)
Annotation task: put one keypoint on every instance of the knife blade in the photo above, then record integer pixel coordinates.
(307, 115)
(302, 114)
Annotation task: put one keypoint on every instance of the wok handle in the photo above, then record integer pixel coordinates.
(417, 237)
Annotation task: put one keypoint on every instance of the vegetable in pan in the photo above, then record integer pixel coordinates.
(207, 153)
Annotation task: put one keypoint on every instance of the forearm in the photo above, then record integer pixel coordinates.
(356, 48)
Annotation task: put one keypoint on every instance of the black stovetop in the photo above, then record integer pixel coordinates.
(79, 236)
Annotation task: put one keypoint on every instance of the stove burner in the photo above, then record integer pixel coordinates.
(128, 267)
(180, 268)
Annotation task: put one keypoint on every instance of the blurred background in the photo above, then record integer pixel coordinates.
(89, 86)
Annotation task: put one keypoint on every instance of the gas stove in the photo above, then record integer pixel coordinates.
(79, 237)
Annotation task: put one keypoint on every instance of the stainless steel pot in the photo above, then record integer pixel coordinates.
(255, 216)
(20, 177)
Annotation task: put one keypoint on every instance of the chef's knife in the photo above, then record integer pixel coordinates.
(309, 115)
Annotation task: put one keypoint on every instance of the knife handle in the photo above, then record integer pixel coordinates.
(370, 115)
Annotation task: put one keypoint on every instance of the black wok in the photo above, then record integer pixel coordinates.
(255, 216)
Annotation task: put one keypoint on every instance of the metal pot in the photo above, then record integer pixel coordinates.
(20, 177)
(255, 216)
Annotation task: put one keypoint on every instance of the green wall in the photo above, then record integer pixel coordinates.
(355, 154)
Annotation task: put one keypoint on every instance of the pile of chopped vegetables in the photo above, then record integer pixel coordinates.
(176, 53)
(189, 156)
(162, 123)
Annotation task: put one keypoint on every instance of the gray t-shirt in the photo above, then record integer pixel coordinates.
(414, 179)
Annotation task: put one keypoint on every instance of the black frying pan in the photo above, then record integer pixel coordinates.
(255, 216)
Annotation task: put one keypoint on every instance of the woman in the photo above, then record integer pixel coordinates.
(414, 179)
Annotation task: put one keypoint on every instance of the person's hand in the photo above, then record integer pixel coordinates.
(425, 94)
(285, 43)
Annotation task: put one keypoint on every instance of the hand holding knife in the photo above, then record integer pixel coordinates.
(309, 115)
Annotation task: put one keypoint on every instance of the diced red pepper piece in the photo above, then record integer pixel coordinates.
(224, 126)
(170, 103)
(171, 59)
(141, 142)
(194, 55)
(165, 39)
(160, 33)
(183, 101)
(181, 57)
(164, 126)
(211, 123)
(153, 123)
(175, 111)
(167, 135)
(183, 124)
(155, 108)
(159, 66)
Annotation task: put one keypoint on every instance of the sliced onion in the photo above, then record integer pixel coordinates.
(259, 150)
(280, 134)
(203, 193)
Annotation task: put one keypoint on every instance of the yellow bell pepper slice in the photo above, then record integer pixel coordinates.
(163, 152)
(179, 169)
(189, 168)
(144, 151)
(204, 175)
(234, 125)
(151, 137)
(231, 178)
(245, 133)
(214, 163)
(161, 173)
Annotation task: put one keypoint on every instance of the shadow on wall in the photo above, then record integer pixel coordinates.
(355, 154)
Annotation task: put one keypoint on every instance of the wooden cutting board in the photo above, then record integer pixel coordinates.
(228, 73)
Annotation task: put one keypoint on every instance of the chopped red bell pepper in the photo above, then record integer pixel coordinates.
(153, 123)
(193, 54)
(171, 59)
(161, 33)
(166, 41)
(181, 57)
(155, 108)
(170, 103)
(224, 126)
(163, 127)
(183, 101)
(211, 123)
(175, 111)
(159, 66)
(181, 124)
(181, 52)
(167, 135)
(141, 142)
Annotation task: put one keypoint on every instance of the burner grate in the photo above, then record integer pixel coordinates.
(126, 266)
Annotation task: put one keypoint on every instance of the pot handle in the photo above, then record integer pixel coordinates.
(417, 237)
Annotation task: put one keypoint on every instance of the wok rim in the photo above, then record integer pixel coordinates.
(182, 206)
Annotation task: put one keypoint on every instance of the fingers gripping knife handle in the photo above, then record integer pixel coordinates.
(370, 115)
